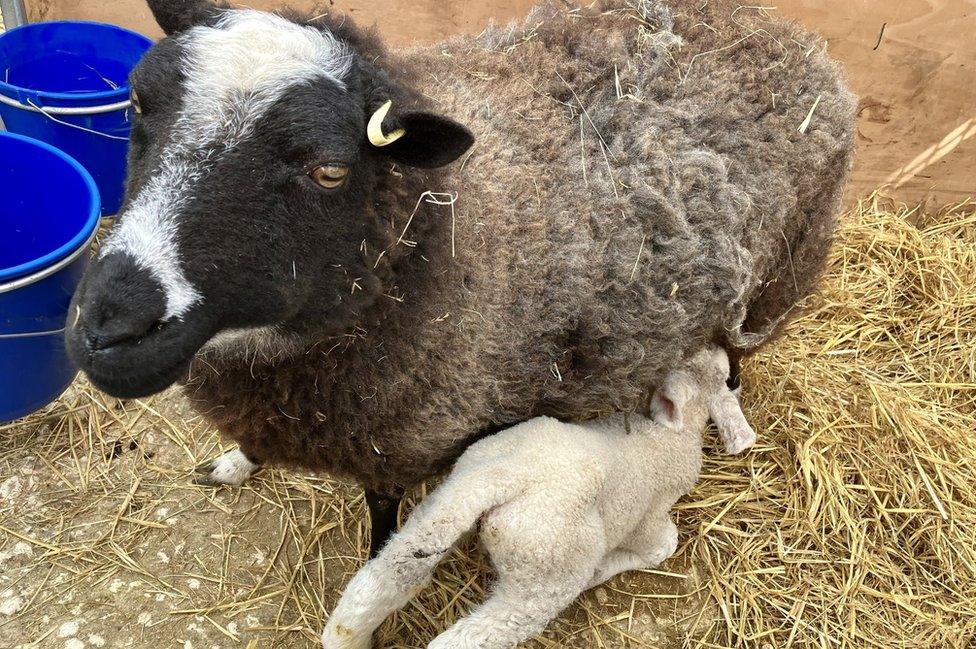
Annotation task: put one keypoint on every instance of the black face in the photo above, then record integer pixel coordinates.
(246, 202)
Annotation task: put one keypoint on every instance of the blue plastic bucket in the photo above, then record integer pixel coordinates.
(49, 210)
(66, 83)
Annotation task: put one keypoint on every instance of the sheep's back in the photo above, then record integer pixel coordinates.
(639, 186)
(572, 274)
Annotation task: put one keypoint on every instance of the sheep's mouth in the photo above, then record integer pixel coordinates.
(140, 367)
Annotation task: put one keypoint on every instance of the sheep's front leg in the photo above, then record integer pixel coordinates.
(232, 468)
(734, 381)
(383, 512)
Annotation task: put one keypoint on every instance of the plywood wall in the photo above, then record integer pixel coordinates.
(917, 79)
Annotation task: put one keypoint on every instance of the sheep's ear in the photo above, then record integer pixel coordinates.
(418, 138)
(179, 15)
(667, 405)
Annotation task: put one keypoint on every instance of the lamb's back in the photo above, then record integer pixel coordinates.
(546, 453)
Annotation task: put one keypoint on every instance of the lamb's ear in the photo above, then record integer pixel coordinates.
(417, 138)
(667, 404)
(179, 15)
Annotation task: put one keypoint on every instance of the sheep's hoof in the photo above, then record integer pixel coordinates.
(231, 469)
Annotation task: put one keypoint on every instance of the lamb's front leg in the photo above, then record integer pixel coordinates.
(232, 468)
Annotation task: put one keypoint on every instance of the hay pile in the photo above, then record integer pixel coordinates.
(851, 524)
(854, 521)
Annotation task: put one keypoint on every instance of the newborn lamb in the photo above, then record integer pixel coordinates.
(563, 507)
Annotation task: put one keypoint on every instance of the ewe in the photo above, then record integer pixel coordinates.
(338, 299)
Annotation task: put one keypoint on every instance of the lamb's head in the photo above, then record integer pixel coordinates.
(259, 148)
(687, 392)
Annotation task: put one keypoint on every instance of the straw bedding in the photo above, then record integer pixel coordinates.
(851, 524)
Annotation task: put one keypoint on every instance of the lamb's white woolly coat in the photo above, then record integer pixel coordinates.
(562, 508)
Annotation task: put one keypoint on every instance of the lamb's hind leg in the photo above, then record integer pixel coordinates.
(406, 561)
(388, 581)
(232, 468)
(510, 616)
(537, 578)
(654, 540)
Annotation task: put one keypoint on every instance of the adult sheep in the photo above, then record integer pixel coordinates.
(644, 180)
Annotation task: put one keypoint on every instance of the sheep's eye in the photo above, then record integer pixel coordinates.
(330, 176)
(136, 106)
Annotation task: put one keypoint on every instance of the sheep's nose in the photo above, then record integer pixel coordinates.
(121, 302)
(118, 329)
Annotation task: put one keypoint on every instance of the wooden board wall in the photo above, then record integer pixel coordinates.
(917, 80)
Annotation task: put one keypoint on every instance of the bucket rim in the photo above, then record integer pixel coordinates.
(44, 273)
(114, 95)
(35, 269)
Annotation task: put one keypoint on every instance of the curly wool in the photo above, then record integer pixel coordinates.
(639, 187)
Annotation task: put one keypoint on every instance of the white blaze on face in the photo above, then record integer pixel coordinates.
(234, 72)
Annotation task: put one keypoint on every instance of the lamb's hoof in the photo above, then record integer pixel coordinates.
(231, 469)
(669, 543)
(337, 636)
(739, 439)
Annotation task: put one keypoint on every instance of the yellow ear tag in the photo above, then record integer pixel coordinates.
(374, 129)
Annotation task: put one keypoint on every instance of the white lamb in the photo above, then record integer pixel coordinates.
(563, 507)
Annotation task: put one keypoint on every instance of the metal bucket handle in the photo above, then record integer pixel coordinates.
(85, 248)
(51, 111)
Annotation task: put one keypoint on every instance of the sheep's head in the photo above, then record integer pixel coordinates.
(687, 391)
(252, 165)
